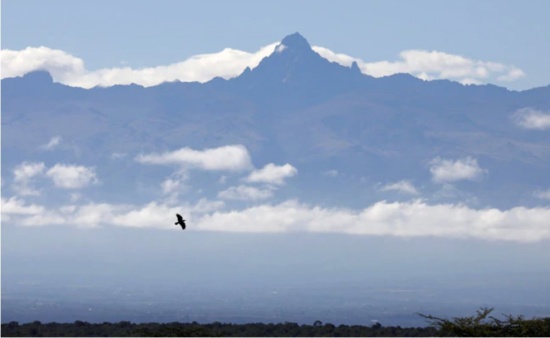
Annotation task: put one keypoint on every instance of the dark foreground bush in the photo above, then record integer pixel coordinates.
(483, 325)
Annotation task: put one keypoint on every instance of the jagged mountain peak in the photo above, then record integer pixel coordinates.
(294, 63)
(295, 42)
(294, 46)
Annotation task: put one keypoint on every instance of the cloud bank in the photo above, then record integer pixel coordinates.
(228, 63)
(431, 65)
(401, 219)
(70, 70)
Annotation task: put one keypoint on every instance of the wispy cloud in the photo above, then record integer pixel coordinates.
(542, 194)
(331, 173)
(228, 158)
(54, 142)
(455, 170)
(228, 63)
(404, 186)
(245, 193)
(174, 185)
(272, 174)
(530, 118)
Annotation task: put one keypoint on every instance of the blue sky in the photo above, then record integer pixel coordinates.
(138, 34)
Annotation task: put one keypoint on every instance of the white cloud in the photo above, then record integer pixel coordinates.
(342, 59)
(245, 193)
(17, 206)
(431, 65)
(151, 215)
(45, 219)
(54, 142)
(401, 219)
(70, 70)
(408, 219)
(449, 171)
(92, 215)
(402, 187)
(72, 176)
(512, 75)
(529, 118)
(156, 215)
(27, 170)
(272, 174)
(62, 66)
(230, 158)
(24, 174)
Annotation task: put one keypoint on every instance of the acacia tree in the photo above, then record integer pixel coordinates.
(483, 325)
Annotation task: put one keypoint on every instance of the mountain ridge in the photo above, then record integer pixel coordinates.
(299, 108)
(301, 51)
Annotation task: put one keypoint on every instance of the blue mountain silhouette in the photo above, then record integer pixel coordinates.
(295, 107)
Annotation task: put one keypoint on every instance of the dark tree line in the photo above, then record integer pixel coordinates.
(479, 325)
(127, 329)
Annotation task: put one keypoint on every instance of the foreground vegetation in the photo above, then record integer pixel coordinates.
(484, 325)
(127, 329)
(479, 325)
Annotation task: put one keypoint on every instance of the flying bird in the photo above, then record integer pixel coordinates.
(180, 221)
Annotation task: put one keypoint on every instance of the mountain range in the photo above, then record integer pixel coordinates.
(349, 139)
